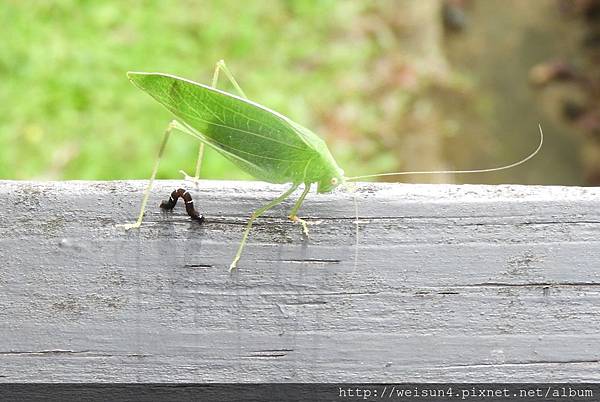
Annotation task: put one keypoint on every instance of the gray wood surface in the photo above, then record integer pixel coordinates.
(451, 283)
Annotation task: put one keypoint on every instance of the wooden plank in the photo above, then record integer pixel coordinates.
(450, 283)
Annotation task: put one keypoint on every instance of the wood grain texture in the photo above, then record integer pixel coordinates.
(452, 283)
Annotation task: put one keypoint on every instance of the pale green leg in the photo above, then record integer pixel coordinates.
(253, 217)
(293, 213)
(220, 66)
(173, 124)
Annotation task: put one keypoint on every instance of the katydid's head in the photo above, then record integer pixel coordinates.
(330, 182)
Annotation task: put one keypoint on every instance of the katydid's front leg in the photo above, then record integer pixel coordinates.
(253, 217)
(173, 124)
(220, 66)
(293, 217)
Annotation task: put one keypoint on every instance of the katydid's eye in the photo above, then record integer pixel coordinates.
(334, 181)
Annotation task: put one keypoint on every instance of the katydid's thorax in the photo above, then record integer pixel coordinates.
(321, 167)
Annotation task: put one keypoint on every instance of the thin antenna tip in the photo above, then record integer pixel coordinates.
(496, 169)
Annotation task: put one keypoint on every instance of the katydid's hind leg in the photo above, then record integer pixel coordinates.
(220, 66)
(253, 217)
(163, 144)
(293, 213)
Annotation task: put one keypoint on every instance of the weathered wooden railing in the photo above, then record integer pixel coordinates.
(450, 283)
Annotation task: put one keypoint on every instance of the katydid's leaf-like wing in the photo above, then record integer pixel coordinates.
(262, 142)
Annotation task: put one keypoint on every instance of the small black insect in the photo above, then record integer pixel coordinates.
(189, 204)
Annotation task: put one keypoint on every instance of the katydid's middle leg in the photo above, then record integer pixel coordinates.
(293, 217)
(253, 217)
(220, 66)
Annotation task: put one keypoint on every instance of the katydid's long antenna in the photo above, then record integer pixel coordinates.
(512, 165)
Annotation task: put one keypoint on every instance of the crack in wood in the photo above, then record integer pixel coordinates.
(62, 352)
(306, 261)
(198, 265)
(526, 285)
(524, 363)
(268, 353)
(494, 220)
(51, 352)
(272, 350)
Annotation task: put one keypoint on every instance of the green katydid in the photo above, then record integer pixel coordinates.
(260, 141)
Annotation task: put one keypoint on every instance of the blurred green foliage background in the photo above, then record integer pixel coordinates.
(383, 82)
